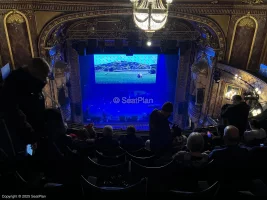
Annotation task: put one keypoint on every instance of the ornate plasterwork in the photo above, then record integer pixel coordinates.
(205, 9)
(106, 28)
(253, 2)
(52, 25)
(249, 78)
(15, 18)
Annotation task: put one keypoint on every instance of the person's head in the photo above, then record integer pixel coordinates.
(131, 130)
(83, 134)
(54, 124)
(195, 142)
(91, 130)
(108, 131)
(39, 69)
(176, 131)
(167, 109)
(255, 124)
(236, 99)
(147, 145)
(231, 135)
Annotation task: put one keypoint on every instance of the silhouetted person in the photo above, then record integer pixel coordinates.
(178, 140)
(52, 150)
(232, 155)
(195, 157)
(256, 135)
(237, 114)
(107, 141)
(159, 128)
(22, 103)
(131, 142)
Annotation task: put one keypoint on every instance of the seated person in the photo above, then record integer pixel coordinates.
(131, 142)
(232, 155)
(91, 131)
(107, 141)
(256, 135)
(84, 135)
(195, 157)
(147, 145)
(179, 140)
(82, 142)
(50, 152)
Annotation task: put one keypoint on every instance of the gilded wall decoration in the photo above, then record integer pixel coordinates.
(253, 2)
(193, 8)
(118, 28)
(15, 18)
(19, 39)
(243, 40)
(229, 79)
(258, 48)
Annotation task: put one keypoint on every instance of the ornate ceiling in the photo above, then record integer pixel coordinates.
(188, 6)
(176, 1)
(211, 22)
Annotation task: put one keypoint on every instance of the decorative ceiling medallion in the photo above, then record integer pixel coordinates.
(15, 18)
(253, 2)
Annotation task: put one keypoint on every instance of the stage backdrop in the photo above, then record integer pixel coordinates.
(128, 89)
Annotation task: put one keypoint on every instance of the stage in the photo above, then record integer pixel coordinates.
(140, 126)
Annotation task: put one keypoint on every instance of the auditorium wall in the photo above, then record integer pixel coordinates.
(228, 79)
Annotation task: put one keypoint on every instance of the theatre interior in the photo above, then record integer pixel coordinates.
(133, 96)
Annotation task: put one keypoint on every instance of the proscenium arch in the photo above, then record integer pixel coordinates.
(253, 40)
(47, 30)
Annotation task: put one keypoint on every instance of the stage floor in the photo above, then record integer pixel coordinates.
(140, 126)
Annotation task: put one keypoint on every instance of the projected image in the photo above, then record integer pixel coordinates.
(122, 69)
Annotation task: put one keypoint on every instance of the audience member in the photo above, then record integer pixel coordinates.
(237, 114)
(195, 157)
(131, 142)
(160, 132)
(179, 141)
(52, 148)
(107, 141)
(54, 134)
(91, 131)
(82, 142)
(82, 134)
(232, 155)
(22, 103)
(256, 134)
(147, 145)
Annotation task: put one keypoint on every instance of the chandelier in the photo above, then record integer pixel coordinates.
(150, 15)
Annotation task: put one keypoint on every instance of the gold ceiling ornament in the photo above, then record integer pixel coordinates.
(15, 18)
(252, 2)
(248, 22)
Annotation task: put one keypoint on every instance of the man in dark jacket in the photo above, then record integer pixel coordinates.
(131, 142)
(237, 114)
(160, 132)
(22, 103)
(107, 142)
(232, 159)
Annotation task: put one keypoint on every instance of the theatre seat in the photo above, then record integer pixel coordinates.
(90, 190)
(158, 177)
(212, 191)
(110, 160)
